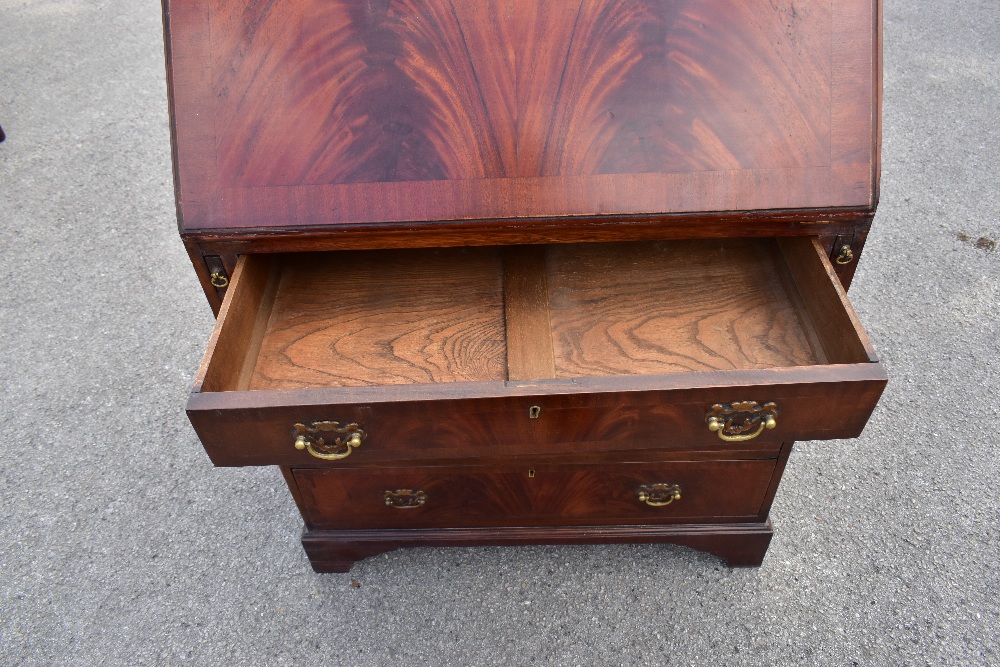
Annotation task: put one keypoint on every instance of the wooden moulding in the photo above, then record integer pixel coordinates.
(739, 544)
(579, 229)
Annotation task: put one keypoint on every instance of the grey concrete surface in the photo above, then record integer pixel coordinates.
(120, 544)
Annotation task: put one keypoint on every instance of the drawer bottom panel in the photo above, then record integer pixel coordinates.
(546, 495)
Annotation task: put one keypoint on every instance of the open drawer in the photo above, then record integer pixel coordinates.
(396, 355)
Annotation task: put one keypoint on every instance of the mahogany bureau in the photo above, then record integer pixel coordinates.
(527, 271)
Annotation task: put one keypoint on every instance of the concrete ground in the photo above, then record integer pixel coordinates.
(120, 544)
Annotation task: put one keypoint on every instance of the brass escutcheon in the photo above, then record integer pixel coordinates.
(346, 438)
(742, 420)
(405, 499)
(659, 495)
(846, 255)
(219, 280)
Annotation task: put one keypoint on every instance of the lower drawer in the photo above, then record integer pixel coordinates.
(546, 495)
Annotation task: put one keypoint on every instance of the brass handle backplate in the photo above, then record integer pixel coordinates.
(659, 495)
(343, 441)
(405, 499)
(742, 420)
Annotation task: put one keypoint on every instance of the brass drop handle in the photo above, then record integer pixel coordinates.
(659, 495)
(742, 420)
(718, 426)
(219, 280)
(846, 255)
(405, 499)
(344, 441)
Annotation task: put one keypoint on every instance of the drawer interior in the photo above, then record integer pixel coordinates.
(383, 318)
(396, 317)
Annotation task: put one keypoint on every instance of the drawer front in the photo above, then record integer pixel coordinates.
(543, 495)
(261, 428)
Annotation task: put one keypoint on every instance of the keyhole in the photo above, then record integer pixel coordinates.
(531, 473)
(534, 411)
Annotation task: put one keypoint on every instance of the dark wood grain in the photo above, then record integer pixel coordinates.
(466, 420)
(498, 495)
(576, 229)
(338, 113)
(739, 544)
(456, 91)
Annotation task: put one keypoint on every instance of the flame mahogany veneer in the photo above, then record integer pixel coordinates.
(526, 246)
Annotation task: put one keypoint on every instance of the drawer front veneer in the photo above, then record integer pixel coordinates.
(507, 495)
(594, 416)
